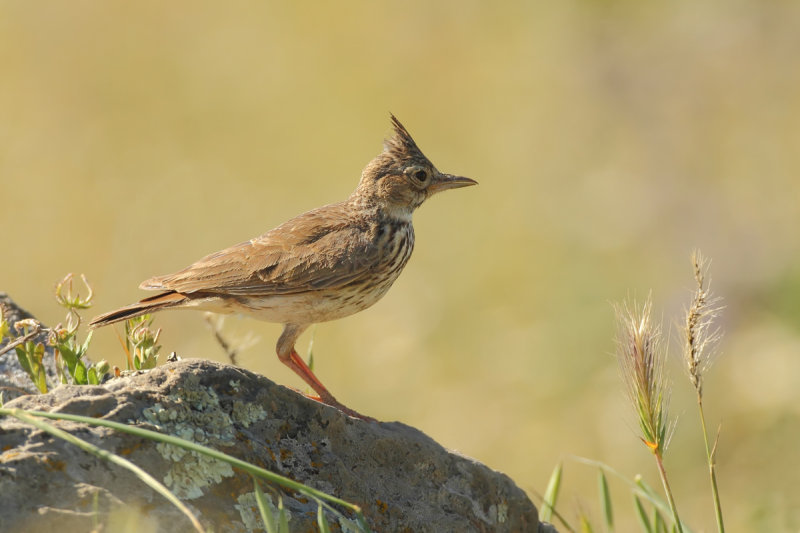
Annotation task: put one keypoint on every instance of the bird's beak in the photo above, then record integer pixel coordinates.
(442, 182)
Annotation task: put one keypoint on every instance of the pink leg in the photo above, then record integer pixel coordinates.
(296, 363)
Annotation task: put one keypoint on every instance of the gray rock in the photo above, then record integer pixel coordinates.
(403, 480)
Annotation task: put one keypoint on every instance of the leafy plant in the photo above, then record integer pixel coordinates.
(141, 343)
(5, 330)
(68, 351)
(31, 354)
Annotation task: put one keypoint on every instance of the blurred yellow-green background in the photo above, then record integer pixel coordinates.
(610, 138)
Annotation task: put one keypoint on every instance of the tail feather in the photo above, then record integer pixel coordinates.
(148, 305)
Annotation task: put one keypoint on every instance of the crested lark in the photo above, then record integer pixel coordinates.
(322, 265)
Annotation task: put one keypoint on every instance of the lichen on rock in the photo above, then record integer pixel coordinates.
(194, 413)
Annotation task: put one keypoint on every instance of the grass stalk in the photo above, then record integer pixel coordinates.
(711, 453)
(701, 339)
(642, 360)
(662, 472)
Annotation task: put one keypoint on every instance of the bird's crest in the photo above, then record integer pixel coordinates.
(402, 145)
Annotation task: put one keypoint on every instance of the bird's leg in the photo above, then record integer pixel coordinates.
(288, 356)
(296, 363)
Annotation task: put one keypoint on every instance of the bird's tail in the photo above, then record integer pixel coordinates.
(158, 302)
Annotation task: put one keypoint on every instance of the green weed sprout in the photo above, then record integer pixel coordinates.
(68, 350)
(31, 354)
(141, 343)
(5, 330)
(63, 338)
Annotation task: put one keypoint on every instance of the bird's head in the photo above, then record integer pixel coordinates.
(400, 178)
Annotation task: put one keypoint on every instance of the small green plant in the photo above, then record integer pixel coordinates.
(68, 351)
(5, 330)
(141, 343)
(31, 354)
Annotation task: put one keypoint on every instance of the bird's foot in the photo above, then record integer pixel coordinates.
(349, 412)
(330, 401)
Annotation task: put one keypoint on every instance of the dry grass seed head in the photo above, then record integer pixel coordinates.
(642, 357)
(699, 331)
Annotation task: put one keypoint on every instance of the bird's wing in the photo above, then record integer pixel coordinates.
(319, 249)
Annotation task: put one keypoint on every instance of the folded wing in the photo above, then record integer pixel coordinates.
(320, 249)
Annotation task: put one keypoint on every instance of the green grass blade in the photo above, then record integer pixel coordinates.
(605, 501)
(658, 522)
(283, 519)
(551, 494)
(96, 511)
(322, 522)
(641, 513)
(263, 508)
(108, 456)
(640, 487)
(586, 526)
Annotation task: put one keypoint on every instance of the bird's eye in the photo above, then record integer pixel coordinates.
(420, 175)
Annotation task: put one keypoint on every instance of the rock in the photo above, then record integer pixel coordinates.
(402, 479)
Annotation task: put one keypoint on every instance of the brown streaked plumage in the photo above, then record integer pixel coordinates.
(322, 265)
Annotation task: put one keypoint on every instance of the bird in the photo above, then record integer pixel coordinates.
(322, 265)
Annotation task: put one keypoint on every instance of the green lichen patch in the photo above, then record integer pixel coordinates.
(244, 413)
(194, 413)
